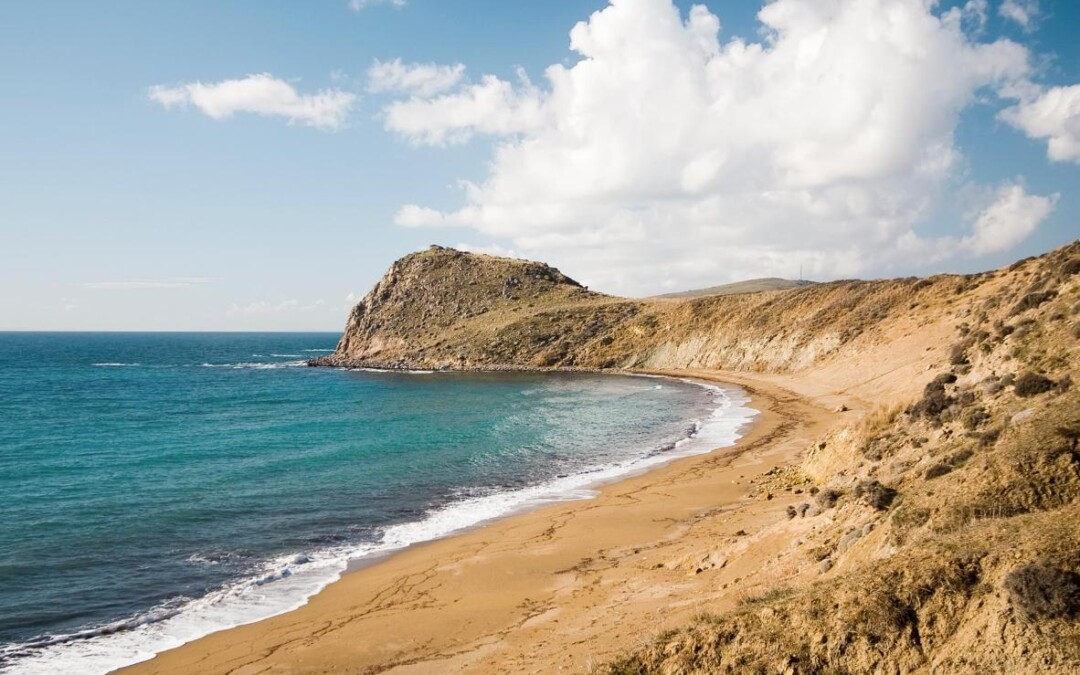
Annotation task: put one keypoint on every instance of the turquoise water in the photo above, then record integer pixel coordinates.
(157, 487)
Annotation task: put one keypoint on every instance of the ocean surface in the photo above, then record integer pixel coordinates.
(155, 488)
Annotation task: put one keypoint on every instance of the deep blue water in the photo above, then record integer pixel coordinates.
(165, 485)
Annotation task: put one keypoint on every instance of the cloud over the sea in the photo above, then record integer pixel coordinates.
(145, 284)
(665, 156)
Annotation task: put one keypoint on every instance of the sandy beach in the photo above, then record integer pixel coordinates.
(560, 588)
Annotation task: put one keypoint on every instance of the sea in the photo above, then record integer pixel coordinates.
(155, 488)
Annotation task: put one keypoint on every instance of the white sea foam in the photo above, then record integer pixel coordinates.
(256, 365)
(116, 365)
(317, 351)
(385, 371)
(287, 582)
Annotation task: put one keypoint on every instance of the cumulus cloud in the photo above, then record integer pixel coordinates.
(260, 94)
(1054, 115)
(975, 12)
(1023, 12)
(493, 106)
(423, 79)
(1008, 220)
(665, 157)
(357, 5)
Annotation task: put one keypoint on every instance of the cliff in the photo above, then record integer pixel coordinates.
(938, 531)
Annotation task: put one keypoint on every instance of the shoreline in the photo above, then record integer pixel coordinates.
(724, 422)
(395, 610)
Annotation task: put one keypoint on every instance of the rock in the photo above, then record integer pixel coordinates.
(848, 540)
(1022, 416)
(802, 509)
(825, 565)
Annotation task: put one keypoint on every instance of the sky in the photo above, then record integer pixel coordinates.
(257, 165)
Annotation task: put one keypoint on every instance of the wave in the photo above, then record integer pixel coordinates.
(387, 371)
(256, 365)
(116, 365)
(390, 372)
(287, 582)
(317, 351)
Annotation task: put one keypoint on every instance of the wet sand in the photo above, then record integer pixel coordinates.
(561, 588)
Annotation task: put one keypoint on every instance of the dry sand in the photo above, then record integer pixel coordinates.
(566, 586)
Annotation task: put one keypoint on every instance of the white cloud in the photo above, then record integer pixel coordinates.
(491, 107)
(260, 94)
(975, 12)
(1023, 12)
(357, 5)
(1053, 114)
(490, 249)
(665, 157)
(423, 79)
(269, 308)
(1008, 220)
(144, 285)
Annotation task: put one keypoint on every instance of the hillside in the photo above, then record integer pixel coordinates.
(932, 528)
(741, 287)
(442, 308)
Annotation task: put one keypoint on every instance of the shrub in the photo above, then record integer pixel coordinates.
(988, 437)
(1071, 267)
(974, 417)
(1032, 300)
(1064, 384)
(940, 381)
(1043, 592)
(934, 400)
(1070, 433)
(828, 497)
(958, 353)
(1032, 384)
(875, 494)
(959, 457)
(937, 471)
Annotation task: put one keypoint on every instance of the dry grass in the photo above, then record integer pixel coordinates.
(981, 556)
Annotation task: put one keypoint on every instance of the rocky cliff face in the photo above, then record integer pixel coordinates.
(443, 308)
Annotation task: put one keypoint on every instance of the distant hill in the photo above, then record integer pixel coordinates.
(740, 288)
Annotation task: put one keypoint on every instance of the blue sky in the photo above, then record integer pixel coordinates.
(649, 169)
